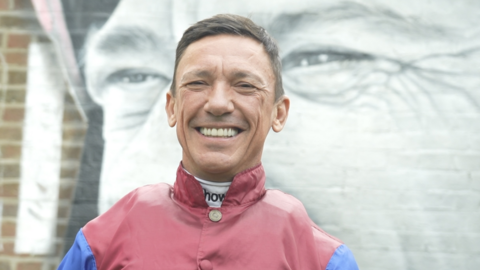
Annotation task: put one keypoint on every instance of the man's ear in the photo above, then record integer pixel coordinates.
(170, 108)
(280, 113)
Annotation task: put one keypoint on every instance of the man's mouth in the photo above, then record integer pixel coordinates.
(219, 132)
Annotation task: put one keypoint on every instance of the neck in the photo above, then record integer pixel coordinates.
(220, 175)
(213, 177)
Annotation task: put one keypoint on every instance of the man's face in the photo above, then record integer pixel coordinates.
(224, 105)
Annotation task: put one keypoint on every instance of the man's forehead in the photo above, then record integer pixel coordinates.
(252, 50)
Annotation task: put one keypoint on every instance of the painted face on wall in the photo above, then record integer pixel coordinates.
(128, 63)
(224, 105)
(382, 137)
(381, 141)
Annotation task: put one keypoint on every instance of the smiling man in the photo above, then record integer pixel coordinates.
(225, 97)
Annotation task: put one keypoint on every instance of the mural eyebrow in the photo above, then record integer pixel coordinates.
(127, 39)
(380, 18)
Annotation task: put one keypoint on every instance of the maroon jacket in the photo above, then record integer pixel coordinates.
(160, 227)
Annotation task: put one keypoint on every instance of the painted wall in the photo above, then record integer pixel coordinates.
(382, 144)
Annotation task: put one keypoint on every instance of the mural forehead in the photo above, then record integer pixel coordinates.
(441, 12)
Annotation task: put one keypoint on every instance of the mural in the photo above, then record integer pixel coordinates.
(382, 142)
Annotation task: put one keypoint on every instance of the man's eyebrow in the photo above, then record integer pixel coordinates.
(127, 38)
(206, 74)
(242, 74)
(380, 18)
(196, 73)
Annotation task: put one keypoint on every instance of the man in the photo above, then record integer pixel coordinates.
(226, 95)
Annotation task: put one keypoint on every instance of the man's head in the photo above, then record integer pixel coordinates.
(224, 99)
(228, 24)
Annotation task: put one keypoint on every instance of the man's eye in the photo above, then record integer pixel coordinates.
(245, 85)
(312, 58)
(196, 83)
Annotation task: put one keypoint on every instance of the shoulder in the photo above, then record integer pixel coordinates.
(292, 207)
(284, 202)
(155, 193)
(331, 251)
(139, 198)
(101, 231)
(342, 259)
(80, 256)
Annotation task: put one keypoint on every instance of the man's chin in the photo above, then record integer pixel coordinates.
(216, 168)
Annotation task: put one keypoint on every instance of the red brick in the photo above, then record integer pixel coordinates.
(63, 211)
(16, 58)
(9, 21)
(9, 190)
(7, 249)
(68, 173)
(66, 191)
(73, 134)
(11, 133)
(11, 151)
(29, 266)
(71, 115)
(23, 4)
(61, 230)
(11, 170)
(10, 210)
(8, 228)
(13, 114)
(5, 265)
(71, 152)
(15, 96)
(18, 41)
(4, 4)
(17, 77)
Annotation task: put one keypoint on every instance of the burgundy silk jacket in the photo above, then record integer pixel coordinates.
(163, 227)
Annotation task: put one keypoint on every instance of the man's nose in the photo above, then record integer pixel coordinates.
(219, 100)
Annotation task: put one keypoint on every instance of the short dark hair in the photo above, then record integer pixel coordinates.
(230, 24)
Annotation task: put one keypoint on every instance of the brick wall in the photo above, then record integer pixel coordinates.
(18, 27)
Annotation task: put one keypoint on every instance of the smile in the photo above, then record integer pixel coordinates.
(218, 132)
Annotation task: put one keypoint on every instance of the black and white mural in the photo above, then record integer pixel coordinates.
(383, 140)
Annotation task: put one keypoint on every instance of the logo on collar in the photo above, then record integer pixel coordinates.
(213, 197)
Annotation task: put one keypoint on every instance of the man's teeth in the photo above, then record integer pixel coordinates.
(219, 132)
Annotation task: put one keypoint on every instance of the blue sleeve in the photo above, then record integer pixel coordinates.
(342, 259)
(80, 256)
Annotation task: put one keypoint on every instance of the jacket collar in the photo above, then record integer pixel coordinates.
(247, 186)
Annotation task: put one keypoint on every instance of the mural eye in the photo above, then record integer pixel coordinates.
(133, 76)
(333, 75)
(320, 57)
